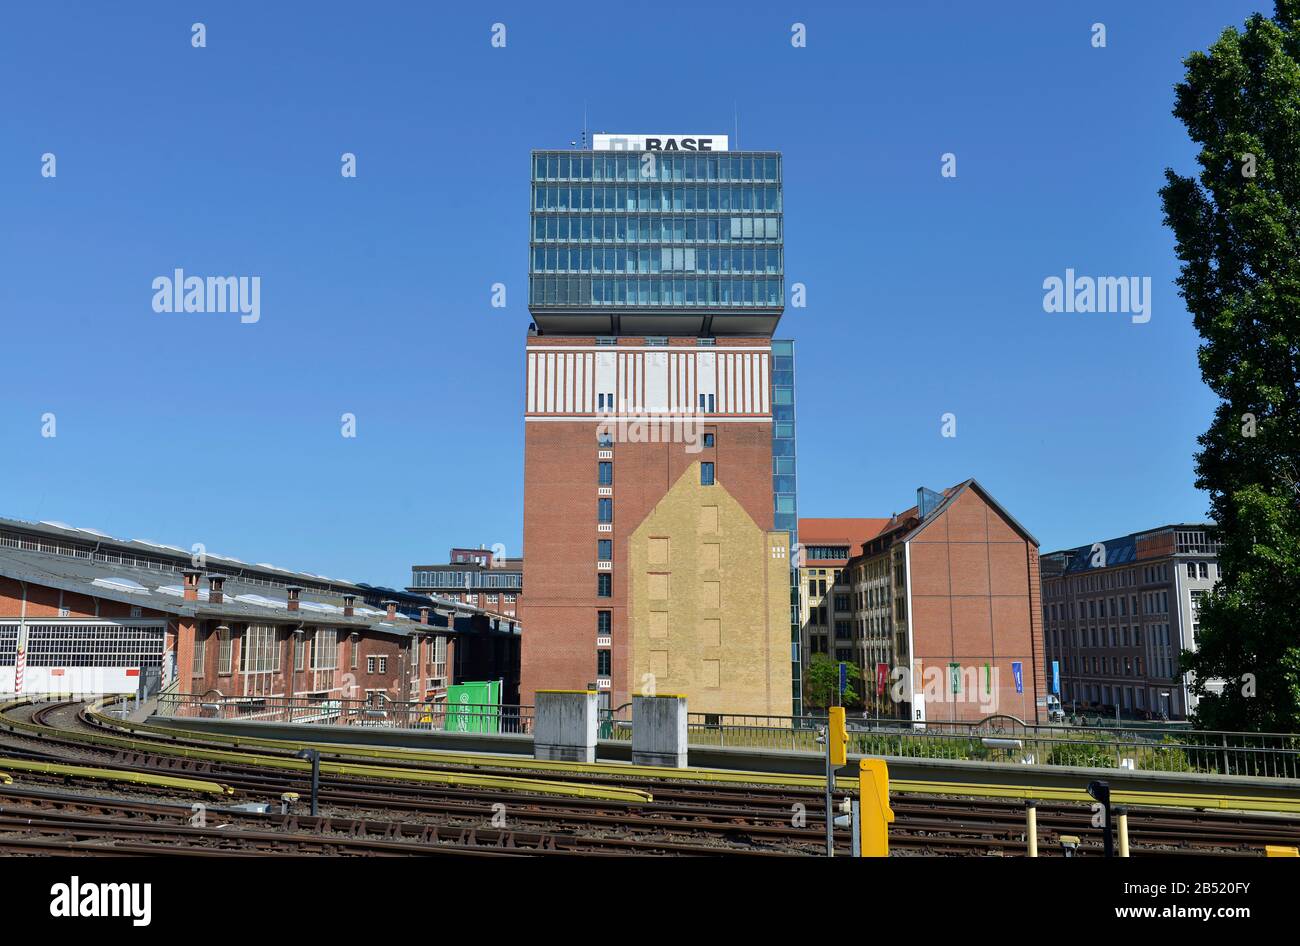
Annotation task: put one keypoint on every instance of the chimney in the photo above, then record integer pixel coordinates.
(348, 602)
(293, 591)
(424, 614)
(391, 605)
(215, 585)
(191, 583)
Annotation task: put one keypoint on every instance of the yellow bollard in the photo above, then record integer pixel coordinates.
(1122, 815)
(1278, 850)
(1031, 827)
(875, 813)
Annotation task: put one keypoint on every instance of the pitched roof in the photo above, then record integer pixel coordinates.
(838, 531)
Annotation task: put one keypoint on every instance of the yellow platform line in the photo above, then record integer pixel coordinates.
(200, 786)
(1119, 796)
(476, 760)
(498, 782)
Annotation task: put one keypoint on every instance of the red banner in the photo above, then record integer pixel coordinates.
(882, 675)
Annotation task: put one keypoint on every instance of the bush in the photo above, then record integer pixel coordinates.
(1168, 756)
(1074, 751)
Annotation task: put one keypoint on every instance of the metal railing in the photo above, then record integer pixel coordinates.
(1007, 739)
(375, 712)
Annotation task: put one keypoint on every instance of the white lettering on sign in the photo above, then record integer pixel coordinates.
(659, 142)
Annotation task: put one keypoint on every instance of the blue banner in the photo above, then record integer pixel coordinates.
(1056, 676)
(1018, 671)
(844, 677)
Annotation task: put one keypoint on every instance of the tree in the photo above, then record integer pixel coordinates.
(824, 682)
(1237, 230)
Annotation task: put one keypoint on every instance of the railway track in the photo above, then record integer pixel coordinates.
(683, 818)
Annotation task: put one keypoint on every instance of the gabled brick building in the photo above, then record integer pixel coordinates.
(947, 611)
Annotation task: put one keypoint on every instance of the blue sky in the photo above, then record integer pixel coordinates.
(924, 293)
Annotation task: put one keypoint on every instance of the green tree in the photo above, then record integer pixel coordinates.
(1237, 228)
(824, 681)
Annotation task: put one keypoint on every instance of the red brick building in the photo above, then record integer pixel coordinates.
(83, 612)
(947, 602)
(610, 428)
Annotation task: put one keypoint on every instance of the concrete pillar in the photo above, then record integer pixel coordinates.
(564, 725)
(659, 731)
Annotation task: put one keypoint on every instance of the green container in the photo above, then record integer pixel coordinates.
(474, 707)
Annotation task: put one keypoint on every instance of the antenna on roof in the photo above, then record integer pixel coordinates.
(584, 124)
(736, 106)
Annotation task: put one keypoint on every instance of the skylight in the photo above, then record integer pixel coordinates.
(121, 584)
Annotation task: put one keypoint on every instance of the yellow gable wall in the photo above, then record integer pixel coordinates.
(709, 603)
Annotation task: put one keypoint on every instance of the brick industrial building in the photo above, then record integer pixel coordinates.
(1118, 612)
(479, 577)
(650, 542)
(945, 611)
(84, 612)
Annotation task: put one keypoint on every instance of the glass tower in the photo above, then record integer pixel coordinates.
(619, 237)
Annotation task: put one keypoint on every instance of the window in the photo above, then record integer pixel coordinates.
(356, 645)
(602, 663)
(604, 550)
(604, 510)
(223, 650)
(299, 651)
(1205, 570)
(708, 440)
(372, 662)
(383, 664)
(604, 586)
(440, 657)
(604, 623)
(325, 651)
(200, 645)
(706, 474)
(605, 473)
(260, 652)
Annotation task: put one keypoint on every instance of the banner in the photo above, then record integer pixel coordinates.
(1056, 676)
(1018, 671)
(882, 675)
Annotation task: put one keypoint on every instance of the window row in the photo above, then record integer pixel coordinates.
(753, 198)
(658, 259)
(655, 291)
(557, 228)
(654, 165)
(86, 645)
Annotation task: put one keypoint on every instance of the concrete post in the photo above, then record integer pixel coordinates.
(659, 730)
(564, 726)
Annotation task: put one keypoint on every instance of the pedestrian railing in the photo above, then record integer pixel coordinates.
(996, 739)
(376, 712)
(1006, 739)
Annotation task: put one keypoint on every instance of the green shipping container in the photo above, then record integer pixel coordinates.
(474, 707)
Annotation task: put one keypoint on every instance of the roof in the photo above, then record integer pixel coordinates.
(89, 562)
(903, 521)
(950, 496)
(838, 531)
(1118, 551)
